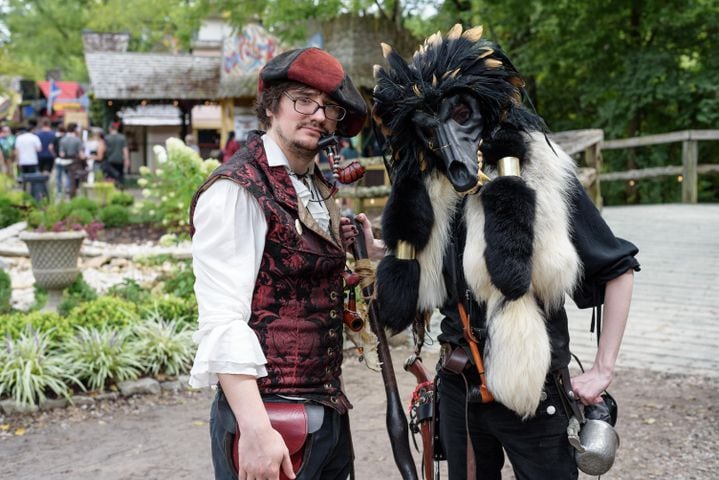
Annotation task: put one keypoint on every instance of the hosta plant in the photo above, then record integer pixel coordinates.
(102, 355)
(29, 369)
(164, 345)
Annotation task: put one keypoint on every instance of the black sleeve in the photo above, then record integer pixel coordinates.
(604, 257)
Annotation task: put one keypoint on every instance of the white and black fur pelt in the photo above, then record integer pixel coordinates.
(519, 259)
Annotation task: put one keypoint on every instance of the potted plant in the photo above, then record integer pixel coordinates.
(54, 243)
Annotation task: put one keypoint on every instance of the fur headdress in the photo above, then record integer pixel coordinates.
(450, 115)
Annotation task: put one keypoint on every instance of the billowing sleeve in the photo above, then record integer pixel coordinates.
(226, 252)
(603, 256)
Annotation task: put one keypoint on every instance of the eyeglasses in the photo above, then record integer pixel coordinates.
(307, 106)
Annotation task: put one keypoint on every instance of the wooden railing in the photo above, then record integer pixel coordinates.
(689, 169)
(573, 142)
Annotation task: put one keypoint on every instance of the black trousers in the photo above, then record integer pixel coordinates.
(328, 454)
(537, 448)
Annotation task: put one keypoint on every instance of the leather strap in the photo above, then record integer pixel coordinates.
(474, 349)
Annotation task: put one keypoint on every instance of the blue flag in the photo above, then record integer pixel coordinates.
(52, 95)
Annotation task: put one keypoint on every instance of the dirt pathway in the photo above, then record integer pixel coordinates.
(664, 434)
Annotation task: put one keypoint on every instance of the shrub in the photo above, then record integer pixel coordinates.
(122, 198)
(131, 291)
(180, 282)
(76, 294)
(104, 312)
(170, 307)
(28, 369)
(79, 203)
(164, 345)
(101, 355)
(5, 291)
(55, 327)
(169, 189)
(115, 216)
(9, 213)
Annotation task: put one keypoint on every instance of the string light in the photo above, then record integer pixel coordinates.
(680, 178)
(109, 103)
(632, 183)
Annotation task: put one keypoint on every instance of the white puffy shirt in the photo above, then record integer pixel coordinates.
(227, 246)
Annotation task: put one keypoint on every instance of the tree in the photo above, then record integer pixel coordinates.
(48, 34)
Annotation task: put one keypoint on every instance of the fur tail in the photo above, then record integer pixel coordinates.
(517, 354)
(397, 292)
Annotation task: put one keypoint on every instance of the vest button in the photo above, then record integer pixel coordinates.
(330, 352)
(333, 314)
(333, 399)
(328, 386)
(333, 295)
(332, 333)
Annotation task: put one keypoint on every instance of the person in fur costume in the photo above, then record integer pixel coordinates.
(487, 218)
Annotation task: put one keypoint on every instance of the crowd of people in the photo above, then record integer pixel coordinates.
(67, 155)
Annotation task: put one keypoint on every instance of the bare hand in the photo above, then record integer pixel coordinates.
(262, 454)
(375, 248)
(589, 386)
(348, 232)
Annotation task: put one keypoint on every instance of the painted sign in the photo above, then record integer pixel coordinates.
(247, 52)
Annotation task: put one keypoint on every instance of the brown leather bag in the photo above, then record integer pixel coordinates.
(290, 420)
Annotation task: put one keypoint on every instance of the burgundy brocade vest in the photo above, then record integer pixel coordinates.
(298, 299)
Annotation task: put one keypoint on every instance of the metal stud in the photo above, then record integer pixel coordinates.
(551, 410)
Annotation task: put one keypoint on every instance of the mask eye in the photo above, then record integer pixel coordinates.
(461, 113)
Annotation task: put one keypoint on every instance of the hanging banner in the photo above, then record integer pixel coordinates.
(247, 52)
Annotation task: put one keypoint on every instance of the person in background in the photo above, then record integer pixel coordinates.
(95, 152)
(117, 155)
(268, 255)
(190, 142)
(62, 181)
(46, 155)
(348, 150)
(231, 147)
(7, 146)
(27, 146)
(71, 149)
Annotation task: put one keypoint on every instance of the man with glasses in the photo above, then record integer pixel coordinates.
(268, 254)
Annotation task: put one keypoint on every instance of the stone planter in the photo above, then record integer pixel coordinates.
(53, 256)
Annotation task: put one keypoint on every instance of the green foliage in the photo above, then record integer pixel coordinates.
(180, 282)
(122, 198)
(130, 291)
(5, 292)
(169, 307)
(47, 35)
(9, 213)
(76, 294)
(104, 312)
(164, 345)
(170, 188)
(115, 216)
(101, 355)
(78, 203)
(29, 369)
(40, 295)
(54, 326)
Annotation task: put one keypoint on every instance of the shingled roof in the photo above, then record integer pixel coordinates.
(153, 76)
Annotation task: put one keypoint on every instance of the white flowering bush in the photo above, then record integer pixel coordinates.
(168, 191)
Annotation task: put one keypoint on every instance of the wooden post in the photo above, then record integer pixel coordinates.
(227, 119)
(593, 159)
(689, 175)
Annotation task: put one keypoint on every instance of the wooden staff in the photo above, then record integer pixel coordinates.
(396, 419)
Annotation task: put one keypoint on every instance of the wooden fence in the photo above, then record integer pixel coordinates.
(689, 169)
(590, 144)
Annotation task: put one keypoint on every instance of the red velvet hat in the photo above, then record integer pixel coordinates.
(318, 69)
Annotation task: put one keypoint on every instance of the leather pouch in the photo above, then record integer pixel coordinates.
(291, 421)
